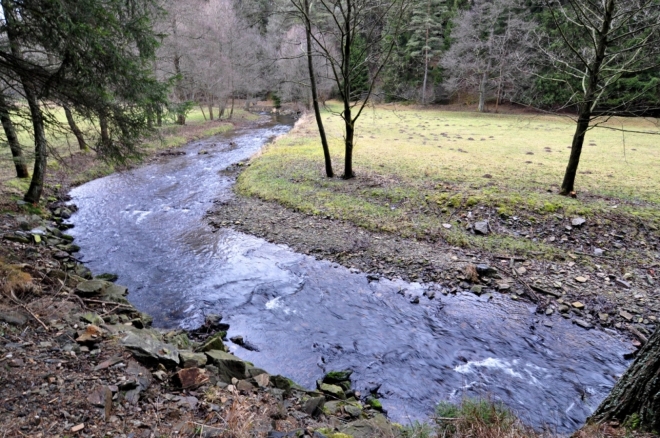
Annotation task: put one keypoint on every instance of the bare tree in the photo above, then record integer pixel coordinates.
(303, 6)
(212, 53)
(601, 42)
(365, 32)
(490, 44)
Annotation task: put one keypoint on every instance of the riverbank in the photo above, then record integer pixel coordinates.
(76, 358)
(69, 167)
(417, 213)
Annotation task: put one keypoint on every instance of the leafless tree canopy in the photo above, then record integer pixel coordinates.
(491, 47)
(596, 43)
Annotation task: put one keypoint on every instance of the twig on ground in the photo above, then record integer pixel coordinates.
(643, 339)
(109, 311)
(593, 255)
(17, 301)
(35, 317)
(530, 291)
(516, 259)
(107, 302)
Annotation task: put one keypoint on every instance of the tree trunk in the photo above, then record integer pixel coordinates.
(568, 184)
(12, 140)
(586, 107)
(181, 117)
(426, 53)
(159, 116)
(348, 157)
(484, 78)
(201, 107)
(346, 95)
(499, 90)
(211, 110)
(33, 194)
(105, 133)
(482, 92)
(40, 146)
(74, 128)
(635, 399)
(315, 99)
(231, 111)
(221, 108)
(426, 73)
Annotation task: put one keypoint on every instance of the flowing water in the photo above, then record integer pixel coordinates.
(307, 317)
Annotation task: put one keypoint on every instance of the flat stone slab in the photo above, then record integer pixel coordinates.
(192, 360)
(13, 318)
(92, 287)
(229, 366)
(147, 349)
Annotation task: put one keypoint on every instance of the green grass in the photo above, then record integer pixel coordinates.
(418, 169)
(472, 417)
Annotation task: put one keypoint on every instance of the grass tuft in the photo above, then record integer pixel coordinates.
(478, 418)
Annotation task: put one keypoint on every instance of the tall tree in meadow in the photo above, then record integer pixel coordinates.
(304, 11)
(356, 39)
(596, 45)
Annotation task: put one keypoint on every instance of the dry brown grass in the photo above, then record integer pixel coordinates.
(487, 419)
(479, 418)
(14, 282)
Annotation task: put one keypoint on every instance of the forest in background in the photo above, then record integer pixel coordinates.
(117, 69)
(457, 51)
(112, 72)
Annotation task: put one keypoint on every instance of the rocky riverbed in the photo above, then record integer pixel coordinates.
(412, 343)
(77, 358)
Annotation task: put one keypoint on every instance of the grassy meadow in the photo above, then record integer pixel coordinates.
(419, 169)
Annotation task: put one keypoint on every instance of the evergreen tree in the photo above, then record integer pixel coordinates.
(414, 64)
(427, 24)
(94, 57)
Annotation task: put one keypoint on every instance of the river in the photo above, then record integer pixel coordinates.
(307, 316)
